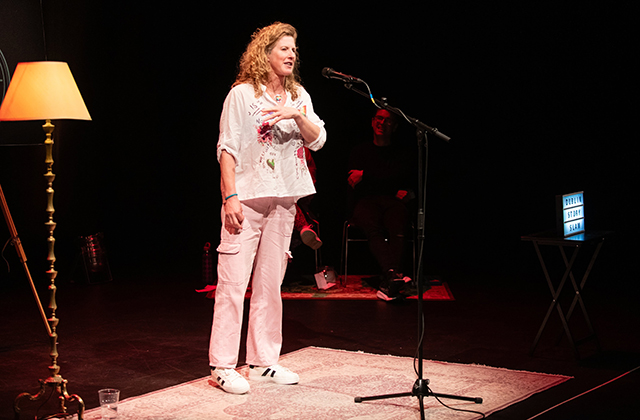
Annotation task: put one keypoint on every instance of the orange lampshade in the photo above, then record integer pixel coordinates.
(43, 90)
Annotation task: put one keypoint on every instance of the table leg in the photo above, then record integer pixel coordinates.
(556, 294)
(578, 297)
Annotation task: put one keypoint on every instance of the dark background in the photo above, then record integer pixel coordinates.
(538, 101)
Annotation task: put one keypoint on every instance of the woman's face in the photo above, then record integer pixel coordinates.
(283, 56)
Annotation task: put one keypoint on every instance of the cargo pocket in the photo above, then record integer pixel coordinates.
(228, 247)
(228, 272)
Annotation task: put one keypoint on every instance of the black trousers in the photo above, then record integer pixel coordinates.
(383, 217)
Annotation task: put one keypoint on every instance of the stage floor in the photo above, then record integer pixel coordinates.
(145, 332)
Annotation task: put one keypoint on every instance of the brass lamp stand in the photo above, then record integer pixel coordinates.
(55, 382)
(44, 91)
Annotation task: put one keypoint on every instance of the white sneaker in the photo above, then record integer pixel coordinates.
(275, 373)
(230, 380)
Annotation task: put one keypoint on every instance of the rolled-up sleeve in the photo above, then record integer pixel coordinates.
(319, 142)
(231, 125)
(311, 115)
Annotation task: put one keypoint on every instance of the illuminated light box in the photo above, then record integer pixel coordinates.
(570, 214)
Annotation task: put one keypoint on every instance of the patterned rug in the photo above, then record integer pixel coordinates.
(329, 382)
(356, 288)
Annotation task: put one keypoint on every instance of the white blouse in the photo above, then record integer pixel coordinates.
(270, 161)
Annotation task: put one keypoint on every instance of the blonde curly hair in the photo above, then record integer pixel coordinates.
(254, 67)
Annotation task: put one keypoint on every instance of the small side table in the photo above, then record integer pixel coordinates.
(595, 239)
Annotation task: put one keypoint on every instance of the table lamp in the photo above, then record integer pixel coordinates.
(46, 90)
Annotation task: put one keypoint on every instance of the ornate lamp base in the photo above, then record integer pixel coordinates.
(59, 385)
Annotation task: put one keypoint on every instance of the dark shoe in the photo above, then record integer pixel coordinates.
(391, 286)
(310, 238)
(384, 296)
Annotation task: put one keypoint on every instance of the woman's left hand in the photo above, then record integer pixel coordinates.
(273, 115)
(309, 130)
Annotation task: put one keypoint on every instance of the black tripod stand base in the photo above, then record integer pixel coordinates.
(421, 390)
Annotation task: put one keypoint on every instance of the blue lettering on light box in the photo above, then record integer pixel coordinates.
(573, 213)
(571, 228)
(572, 200)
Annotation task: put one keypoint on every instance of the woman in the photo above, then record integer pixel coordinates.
(267, 121)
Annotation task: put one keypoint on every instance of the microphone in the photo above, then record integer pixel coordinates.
(330, 73)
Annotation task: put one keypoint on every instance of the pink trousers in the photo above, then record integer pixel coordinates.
(260, 253)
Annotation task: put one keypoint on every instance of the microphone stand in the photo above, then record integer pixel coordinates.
(420, 387)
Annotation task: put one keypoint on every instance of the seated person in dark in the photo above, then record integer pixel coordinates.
(381, 176)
